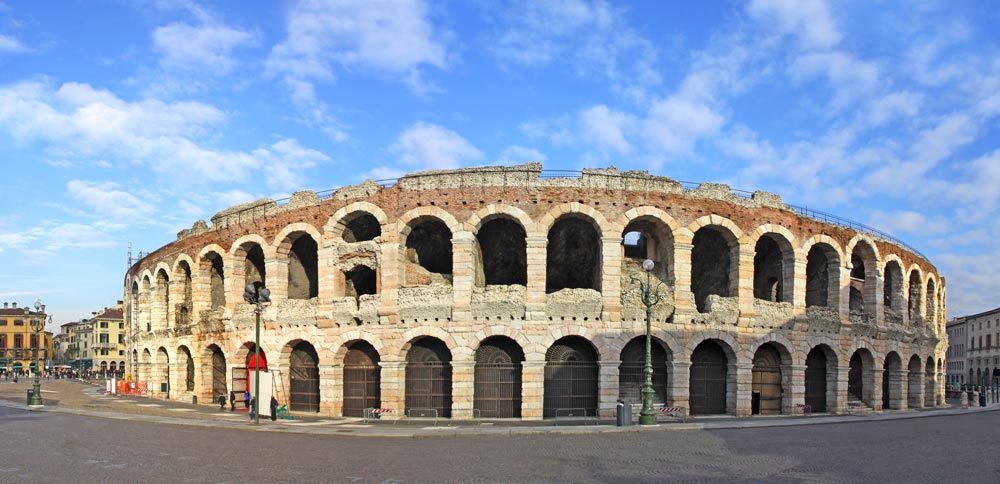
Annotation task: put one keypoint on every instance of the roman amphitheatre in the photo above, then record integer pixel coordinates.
(508, 293)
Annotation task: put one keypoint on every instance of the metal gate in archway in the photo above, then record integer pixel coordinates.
(570, 378)
(362, 379)
(816, 380)
(708, 379)
(630, 377)
(188, 376)
(218, 374)
(303, 374)
(497, 392)
(428, 376)
(766, 382)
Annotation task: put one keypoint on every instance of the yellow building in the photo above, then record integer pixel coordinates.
(18, 340)
(106, 349)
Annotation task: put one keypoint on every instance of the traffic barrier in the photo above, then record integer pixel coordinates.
(677, 412)
(375, 413)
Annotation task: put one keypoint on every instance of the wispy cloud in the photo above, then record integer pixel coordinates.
(430, 146)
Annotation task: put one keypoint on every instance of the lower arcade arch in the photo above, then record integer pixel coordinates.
(930, 383)
(821, 378)
(497, 388)
(162, 379)
(892, 382)
(709, 380)
(571, 374)
(915, 395)
(362, 379)
(218, 373)
(428, 376)
(303, 378)
(630, 372)
(860, 384)
(767, 382)
(185, 354)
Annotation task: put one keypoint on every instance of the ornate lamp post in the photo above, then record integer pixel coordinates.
(37, 325)
(650, 296)
(260, 297)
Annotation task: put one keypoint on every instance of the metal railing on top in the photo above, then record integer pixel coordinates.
(549, 174)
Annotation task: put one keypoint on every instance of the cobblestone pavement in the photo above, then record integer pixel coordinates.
(39, 447)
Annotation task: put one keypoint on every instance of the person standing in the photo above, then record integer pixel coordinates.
(222, 402)
(232, 401)
(274, 408)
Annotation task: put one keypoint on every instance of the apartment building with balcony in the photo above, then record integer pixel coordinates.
(982, 354)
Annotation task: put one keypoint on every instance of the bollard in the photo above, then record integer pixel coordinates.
(31, 393)
(194, 399)
(974, 399)
(964, 399)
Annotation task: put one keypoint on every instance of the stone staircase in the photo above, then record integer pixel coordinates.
(857, 407)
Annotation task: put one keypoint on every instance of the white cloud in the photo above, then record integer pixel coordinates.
(79, 121)
(430, 146)
(10, 45)
(516, 155)
(675, 124)
(286, 164)
(202, 49)
(109, 201)
(809, 20)
(591, 36)
(388, 37)
(606, 128)
(908, 221)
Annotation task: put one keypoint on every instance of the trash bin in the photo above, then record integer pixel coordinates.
(194, 399)
(31, 393)
(623, 413)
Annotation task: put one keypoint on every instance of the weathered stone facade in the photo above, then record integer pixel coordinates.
(760, 304)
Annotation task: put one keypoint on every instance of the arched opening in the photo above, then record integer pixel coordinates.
(503, 253)
(362, 379)
(856, 379)
(303, 276)
(573, 255)
(428, 245)
(213, 266)
(916, 290)
(497, 392)
(163, 377)
(630, 376)
(303, 375)
(863, 279)
(648, 238)
(360, 227)
(711, 262)
(709, 379)
(766, 386)
(163, 297)
(931, 312)
(915, 395)
(254, 269)
(182, 310)
(857, 300)
(892, 287)
(428, 376)
(145, 308)
(821, 276)
(930, 382)
(819, 362)
(892, 384)
(184, 353)
(359, 281)
(219, 386)
(570, 378)
(769, 268)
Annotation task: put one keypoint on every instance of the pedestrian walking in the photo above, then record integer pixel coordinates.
(274, 408)
(222, 402)
(253, 407)
(232, 401)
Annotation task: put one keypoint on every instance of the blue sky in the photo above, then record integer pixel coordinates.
(126, 121)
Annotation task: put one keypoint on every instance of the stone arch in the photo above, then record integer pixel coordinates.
(930, 300)
(632, 357)
(361, 378)
(476, 220)
(892, 381)
(571, 376)
(864, 276)
(574, 256)
(614, 345)
(655, 241)
(349, 337)
(302, 359)
(497, 389)
(915, 395)
(184, 357)
(823, 256)
(211, 265)
(915, 295)
(774, 262)
(405, 225)
(712, 380)
(584, 332)
(533, 351)
(715, 259)
(930, 383)
(771, 379)
(426, 235)
(162, 296)
(162, 373)
(821, 375)
(861, 376)
(249, 261)
(339, 221)
(501, 250)
(428, 376)
(892, 290)
(413, 334)
(298, 243)
(604, 228)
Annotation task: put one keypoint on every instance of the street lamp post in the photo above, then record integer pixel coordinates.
(650, 296)
(260, 297)
(37, 325)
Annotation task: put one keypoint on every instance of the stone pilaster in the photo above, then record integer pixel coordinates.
(796, 388)
(742, 407)
(611, 278)
(679, 391)
(535, 296)
(683, 297)
(463, 374)
(463, 274)
(532, 389)
(393, 388)
(607, 398)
